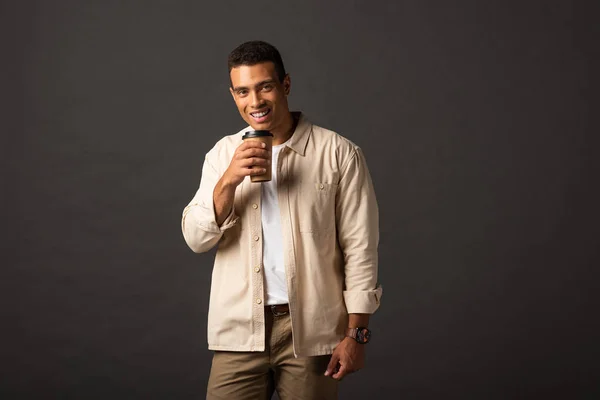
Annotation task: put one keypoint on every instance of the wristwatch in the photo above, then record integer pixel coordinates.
(360, 334)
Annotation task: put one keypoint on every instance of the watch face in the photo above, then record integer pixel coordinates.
(363, 335)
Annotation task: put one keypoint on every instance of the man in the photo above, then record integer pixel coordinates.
(295, 273)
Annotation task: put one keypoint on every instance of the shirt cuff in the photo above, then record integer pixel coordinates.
(211, 225)
(363, 301)
(230, 221)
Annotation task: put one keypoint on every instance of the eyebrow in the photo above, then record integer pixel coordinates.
(261, 83)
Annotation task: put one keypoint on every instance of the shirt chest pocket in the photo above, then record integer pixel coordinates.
(316, 206)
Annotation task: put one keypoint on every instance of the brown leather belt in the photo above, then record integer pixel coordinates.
(279, 309)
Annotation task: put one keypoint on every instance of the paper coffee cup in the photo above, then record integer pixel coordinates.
(267, 138)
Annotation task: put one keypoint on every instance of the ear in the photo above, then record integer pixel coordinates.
(287, 84)
(231, 91)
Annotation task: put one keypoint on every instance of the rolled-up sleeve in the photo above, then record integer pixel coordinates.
(357, 219)
(198, 223)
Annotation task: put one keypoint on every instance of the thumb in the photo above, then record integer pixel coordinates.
(341, 373)
(332, 364)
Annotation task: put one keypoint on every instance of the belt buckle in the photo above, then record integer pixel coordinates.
(275, 312)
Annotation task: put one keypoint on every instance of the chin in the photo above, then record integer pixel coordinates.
(265, 126)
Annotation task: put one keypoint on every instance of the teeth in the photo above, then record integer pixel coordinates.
(259, 115)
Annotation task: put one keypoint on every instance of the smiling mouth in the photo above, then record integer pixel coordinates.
(260, 114)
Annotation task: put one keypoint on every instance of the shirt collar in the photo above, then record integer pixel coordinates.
(300, 137)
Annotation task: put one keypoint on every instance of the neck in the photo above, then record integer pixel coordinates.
(282, 134)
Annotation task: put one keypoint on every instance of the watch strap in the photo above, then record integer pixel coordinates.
(354, 334)
(351, 333)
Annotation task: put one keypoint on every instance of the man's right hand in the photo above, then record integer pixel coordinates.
(251, 153)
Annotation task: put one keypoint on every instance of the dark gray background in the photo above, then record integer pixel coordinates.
(476, 120)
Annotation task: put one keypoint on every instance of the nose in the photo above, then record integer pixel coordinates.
(256, 100)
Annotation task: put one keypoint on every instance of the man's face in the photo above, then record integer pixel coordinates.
(259, 96)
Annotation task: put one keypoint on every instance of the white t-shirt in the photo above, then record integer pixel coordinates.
(273, 264)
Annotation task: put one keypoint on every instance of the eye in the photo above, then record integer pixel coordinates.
(242, 92)
(267, 88)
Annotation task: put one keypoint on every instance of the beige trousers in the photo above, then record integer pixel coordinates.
(256, 375)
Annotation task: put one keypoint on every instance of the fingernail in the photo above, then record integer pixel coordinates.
(263, 145)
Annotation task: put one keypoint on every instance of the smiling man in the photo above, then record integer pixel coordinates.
(260, 94)
(295, 274)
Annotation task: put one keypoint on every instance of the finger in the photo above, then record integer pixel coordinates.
(340, 374)
(247, 144)
(333, 362)
(254, 152)
(254, 161)
(257, 171)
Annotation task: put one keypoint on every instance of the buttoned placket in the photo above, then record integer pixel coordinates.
(256, 250)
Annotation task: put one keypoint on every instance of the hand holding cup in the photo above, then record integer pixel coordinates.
(251, 158)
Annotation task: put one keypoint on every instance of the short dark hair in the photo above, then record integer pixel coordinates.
(256, 52)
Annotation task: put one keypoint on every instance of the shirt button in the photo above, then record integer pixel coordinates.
(256, 269)
(255, 206)
(321, 186)
(256, 238)
(258, 301)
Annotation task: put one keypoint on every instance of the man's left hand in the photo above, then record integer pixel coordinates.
(347, 357)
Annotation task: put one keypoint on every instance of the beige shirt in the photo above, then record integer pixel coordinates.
(330, 231)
